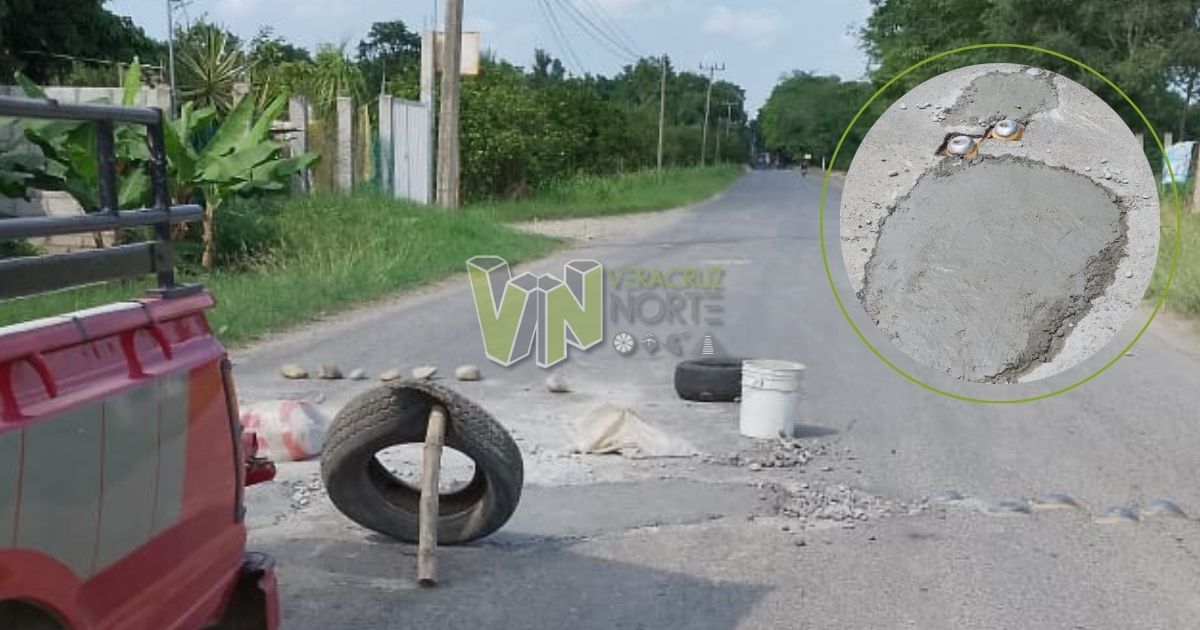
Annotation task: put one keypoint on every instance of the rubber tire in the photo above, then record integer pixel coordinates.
(717, 379)
(371, 496)
(15, 615)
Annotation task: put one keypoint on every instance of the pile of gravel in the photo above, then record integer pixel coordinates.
(772, 454)
(830, 504)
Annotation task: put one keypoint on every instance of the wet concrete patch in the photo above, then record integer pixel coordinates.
(983, 268)
(999, 95)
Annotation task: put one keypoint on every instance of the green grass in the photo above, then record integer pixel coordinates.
(590, 196)
(1184, 295)
(337, 252)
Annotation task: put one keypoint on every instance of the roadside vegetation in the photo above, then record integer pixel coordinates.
(538, 142)
(1150, 49)
(282, 261)
(1184, 295)
(590, 196)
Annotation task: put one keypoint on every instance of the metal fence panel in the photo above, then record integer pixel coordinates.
(411, 152)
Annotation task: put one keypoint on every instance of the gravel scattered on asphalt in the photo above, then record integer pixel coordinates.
(424, 373)
(467, 373)
(293, 371)
(391, 375)
(557, 384)
(330, 372)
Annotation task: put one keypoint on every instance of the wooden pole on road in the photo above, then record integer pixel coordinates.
(449, 172)
(431, 467)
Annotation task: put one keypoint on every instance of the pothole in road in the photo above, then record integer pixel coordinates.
(983, 269)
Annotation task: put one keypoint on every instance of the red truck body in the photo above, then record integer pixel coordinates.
(121, 469)
(123, 461)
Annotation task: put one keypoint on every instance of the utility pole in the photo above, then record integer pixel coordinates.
(712, 69)
(717, 153)
(662, 113)
(448, 142)
(728, 122)
(171, 50)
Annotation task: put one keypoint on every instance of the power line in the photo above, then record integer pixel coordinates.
(559, 36)
(597, 34)
(109, 62)
(612, 26)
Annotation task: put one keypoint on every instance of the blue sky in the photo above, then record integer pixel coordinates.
(758, 40)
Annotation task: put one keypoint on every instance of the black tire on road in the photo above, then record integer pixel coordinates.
(370, 495)
(717, 379)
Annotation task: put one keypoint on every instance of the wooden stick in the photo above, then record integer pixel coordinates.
(431, 468)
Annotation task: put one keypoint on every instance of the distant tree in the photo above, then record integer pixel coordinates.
(547, 69)
(807, 113)
(267, 49)
(331, 75)
(275, 66)
(1147, 47)
(390, 59)
(40, 38)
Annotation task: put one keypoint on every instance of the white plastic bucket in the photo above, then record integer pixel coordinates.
(770, 398)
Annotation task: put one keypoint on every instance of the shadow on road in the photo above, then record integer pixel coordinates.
(364, 585)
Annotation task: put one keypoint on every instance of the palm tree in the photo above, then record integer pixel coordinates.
(333, 74)
(211, 66)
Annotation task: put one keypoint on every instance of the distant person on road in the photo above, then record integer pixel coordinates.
(804, 169)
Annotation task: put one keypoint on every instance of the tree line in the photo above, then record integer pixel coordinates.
(1149, 48)
(523, 127)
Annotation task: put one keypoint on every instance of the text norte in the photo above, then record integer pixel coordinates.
(642, 295)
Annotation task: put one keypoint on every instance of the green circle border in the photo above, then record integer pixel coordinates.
(1176, 254)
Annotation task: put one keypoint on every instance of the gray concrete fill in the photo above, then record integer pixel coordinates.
(1000, 95)
(945, 284)
(1018, 261)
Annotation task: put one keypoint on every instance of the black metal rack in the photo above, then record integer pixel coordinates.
(37, 274)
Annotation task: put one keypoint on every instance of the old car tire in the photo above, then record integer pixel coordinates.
(370, 495)
(716, 379)
(22, 616)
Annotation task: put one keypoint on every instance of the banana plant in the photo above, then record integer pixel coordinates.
(20, 170)
(68, 154)
(239, 157)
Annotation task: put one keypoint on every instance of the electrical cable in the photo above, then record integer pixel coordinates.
(596, 33)
(612, 25)
(559, 35)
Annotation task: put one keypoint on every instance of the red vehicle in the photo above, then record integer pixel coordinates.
(122, 459)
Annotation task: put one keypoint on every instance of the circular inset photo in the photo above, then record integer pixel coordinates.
(1000, 223)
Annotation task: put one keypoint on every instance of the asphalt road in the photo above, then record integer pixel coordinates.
(607, 542)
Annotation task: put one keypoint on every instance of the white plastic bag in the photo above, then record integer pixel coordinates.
(287, 430)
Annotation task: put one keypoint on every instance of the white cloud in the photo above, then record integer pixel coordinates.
(760, 26)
